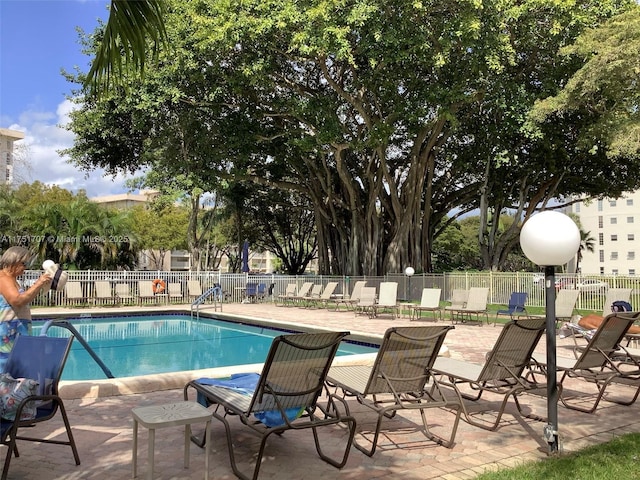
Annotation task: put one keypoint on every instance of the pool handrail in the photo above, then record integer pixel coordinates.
(66, 324)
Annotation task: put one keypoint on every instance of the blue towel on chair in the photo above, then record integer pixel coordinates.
(246, 383)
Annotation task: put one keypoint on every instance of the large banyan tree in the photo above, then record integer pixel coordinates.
(392, 117)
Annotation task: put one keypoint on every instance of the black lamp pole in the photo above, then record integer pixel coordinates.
(551, 429)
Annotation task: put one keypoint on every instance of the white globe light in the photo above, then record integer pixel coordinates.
(409, 271)
(550, 238)
(48, 264)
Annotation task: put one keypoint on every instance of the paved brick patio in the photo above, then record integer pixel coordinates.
(103, 426)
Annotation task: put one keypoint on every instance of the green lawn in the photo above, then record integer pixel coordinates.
(618, 459)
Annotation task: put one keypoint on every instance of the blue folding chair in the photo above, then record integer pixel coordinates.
(42, 359)
(515, 307)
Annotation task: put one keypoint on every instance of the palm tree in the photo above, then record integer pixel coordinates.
(130, 24)
(587, 243)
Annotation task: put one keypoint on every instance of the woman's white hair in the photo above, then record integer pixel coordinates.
(14, 256)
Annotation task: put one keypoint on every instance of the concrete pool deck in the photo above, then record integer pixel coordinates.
(101, 420)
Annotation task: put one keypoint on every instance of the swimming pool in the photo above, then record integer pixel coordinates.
(134, 345)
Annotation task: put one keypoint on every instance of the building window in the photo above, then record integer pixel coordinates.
(614, 271)
(614, 255)
(629, 202)
(600, 221)
(601, 255)
(601, 238)
(614, 238)
(631, 255)
(630, 237)
(629, 219)
(577, 207)
(601, 270)
(632, 271)
(612, 203)
(599, 205)
(614, 220)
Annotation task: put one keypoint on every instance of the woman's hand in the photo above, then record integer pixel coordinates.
(44, 280)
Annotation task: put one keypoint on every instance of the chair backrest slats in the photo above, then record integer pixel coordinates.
(388, 294)
(513, 349)
(295, 370)
(605, 340)
(405, 358)
(430, 297)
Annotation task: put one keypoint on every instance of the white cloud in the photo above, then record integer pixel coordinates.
(37, 156)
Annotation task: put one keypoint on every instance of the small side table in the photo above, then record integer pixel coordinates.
(169, 415)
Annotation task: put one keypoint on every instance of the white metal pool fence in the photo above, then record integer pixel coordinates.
(500, 285)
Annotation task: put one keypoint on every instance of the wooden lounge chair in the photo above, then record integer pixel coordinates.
(387, 300)
(285, 395)
(475, 306)
(398, 379)
(429, 302)
(40, 358)
(597, 363)
(502, 372)
(352, 300)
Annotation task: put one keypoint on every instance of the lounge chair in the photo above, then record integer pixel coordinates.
(299, 297)
(565, 304)
(289, 293)
(597, 363)
(250, 293)
(615, 294)
(103, 292)
(387, 300)
(73, 293)
(502, 372)
(475, 306)
(174, 290)
(40, 358)
(123, 293)
(194, 289)
(352, 300)
(515, 307)
(458, 300)
(285, 395)
(327, 295)
(367, 302)
(145, 291)
(429, 302)
(398, 380)
(313, 295)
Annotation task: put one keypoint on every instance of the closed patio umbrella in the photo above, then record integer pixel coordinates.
(245, 256)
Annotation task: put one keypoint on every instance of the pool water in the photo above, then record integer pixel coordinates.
(144, 345)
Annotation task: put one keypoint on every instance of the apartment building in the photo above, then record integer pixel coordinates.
(7, 139)
(176, 260)
(614, 224)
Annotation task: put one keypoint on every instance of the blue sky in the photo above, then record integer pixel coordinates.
(38, 39)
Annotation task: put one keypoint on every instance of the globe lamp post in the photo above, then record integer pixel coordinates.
(549, 239)
(409, 271)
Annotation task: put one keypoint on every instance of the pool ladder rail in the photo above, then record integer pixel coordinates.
(215, 293)
(67, 325)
